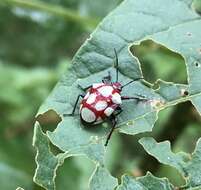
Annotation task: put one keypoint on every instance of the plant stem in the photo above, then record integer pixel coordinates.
(56, 10)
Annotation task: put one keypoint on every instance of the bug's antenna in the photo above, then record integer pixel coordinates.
(116, 65)
(132, 82)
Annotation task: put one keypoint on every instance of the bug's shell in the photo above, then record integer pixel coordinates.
(100, 102)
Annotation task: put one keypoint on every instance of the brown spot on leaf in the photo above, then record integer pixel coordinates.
(189, 34)
(157, 103)
(197, 64)
(184, 92)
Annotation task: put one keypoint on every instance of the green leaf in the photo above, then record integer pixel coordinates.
(47, 163)
(71, 137)
(184, 40)
(167, 156)
(129, 183)
(193, 167)
(148, 182)
(96, 57)
(188, 166)
(102, 180)
(129, 24)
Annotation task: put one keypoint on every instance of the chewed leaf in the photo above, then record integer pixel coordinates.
(47, 163)
(102, 180)
(129, 183)
(193, 167)
(148, 182)
(131, 23)
(142, 116)
(188, 166)
(184, 39)
(73, 138)
(172, 92)
(162, 151)
(96, 57)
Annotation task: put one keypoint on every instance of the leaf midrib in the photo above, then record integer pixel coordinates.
(168, 104)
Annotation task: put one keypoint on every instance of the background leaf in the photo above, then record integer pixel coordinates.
(188, 166)
(168, 157)
(10, 174)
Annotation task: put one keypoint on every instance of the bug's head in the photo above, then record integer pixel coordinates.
(117, 85)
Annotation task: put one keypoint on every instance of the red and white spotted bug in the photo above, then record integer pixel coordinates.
(100, 102)
(103, 100)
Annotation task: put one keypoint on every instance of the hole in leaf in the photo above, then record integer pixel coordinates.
(74, 173)
(49, 120)
(159, 62)
(181, 126)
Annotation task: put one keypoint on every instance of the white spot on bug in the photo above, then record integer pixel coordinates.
(106, 90)
(101, 105)
(86, 96)
(91, 99)
(116, 98)
(87, 115)
(108, 111)
(96, 85)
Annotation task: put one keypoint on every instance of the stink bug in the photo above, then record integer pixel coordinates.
(103, 101)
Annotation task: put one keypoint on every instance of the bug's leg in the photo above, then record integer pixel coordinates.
(118, 111)
(114, 122)
(138, 98)
(87, 88)
(77, 100)
(116, 65)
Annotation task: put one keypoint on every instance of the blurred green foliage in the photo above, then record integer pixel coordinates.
(35, 48)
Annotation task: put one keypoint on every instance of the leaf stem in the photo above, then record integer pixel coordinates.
(56, 10)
